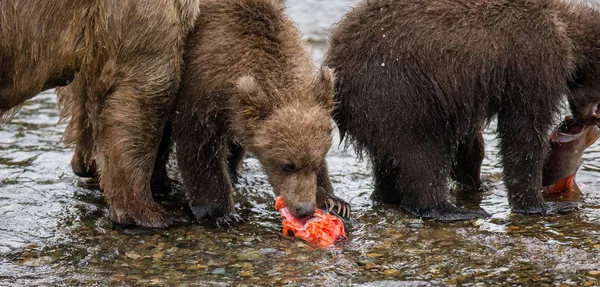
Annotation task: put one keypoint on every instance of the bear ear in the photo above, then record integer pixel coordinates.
(251, 102)
(324, 85)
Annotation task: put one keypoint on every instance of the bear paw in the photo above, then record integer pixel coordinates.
(338, 206)
(82, 170)
(556, 207)
(486, 185)
(549, 208)
(211, 216)
(449, 212)
(228, 220)
(157, 218)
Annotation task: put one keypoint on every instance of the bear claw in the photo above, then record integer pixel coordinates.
(228, 220)
(338, 206)
(209, 215)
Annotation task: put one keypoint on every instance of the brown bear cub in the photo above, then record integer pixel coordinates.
(124, 59)
(249, 84)
(418, 80)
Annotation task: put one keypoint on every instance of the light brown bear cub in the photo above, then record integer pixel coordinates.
(249, 84)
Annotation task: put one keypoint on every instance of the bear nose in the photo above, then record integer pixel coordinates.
(305, 210)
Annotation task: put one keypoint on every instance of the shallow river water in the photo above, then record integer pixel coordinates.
(54, 229)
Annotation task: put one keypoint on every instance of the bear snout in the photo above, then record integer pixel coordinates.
(304, 210)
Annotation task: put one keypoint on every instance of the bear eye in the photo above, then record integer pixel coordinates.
(289, 167)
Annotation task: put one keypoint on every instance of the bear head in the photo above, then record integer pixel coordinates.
(290, 136)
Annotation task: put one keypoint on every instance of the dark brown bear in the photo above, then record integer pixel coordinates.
(249, 84)
(417, 81)
(124, 58)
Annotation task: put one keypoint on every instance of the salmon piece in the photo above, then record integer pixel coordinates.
(321, 230)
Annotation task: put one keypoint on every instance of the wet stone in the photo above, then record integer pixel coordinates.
(372, 267)
(249, 256)
(363, 262)
(218, 271)
(268, 250)
(132, 255)
(392, 272)
(416, 225)
(594, 272)
(36, 262)
(117, 278)
(197, 267)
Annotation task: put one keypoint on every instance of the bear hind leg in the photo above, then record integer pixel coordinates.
(160, 182)
(82, 163)
(466, 170)
(523, 151)
(235, 157)
(419, 184)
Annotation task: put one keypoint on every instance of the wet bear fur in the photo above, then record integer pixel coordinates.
(249, 85)
(418, 80)
(122, 63)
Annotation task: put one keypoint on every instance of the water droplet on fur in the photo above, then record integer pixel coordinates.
(383, 35)
(383, 64)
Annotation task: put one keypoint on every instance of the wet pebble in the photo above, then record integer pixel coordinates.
(392, 272)
(197, 267)
(416, 225)
(158, 255)
(372, 267)
(36, 262)
(249, 256)
(268, 250)
(218, 271)
(132, 255)
(157, 281)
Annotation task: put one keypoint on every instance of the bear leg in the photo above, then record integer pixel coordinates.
(419, 184)
(202, 161)
(523, 147)
(160, 182)
(82, 163)
(72, 102)
(466, 170)
(384, 175)
(128, 131)
(325, 197)
(235, 157)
